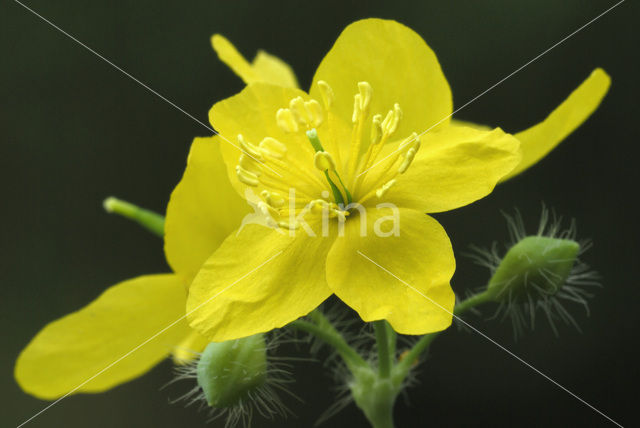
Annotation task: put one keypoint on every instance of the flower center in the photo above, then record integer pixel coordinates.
(289, 185)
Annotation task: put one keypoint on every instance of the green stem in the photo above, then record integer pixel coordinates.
(384, 356)
(403, 367)
(323, 330)
(150, 220)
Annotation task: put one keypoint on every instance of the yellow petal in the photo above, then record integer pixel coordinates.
(190, 347)
(454, 167)
(467, 124)
(272, 69)
(403, 279)
(120, 327)
(540, 139)
(400, 67)
(265, 67)
(256, 281)
(252, 113)
(203, 208)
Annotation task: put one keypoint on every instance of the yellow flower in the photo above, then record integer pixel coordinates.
(355, 137)
(131, 326)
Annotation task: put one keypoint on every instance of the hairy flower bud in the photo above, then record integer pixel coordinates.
(229, 371)
(536, 262)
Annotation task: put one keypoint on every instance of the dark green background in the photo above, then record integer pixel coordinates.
(74, 130)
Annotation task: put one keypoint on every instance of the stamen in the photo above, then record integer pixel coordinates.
(249, 148)
(248, 164)
(366, 91)
(385, 187)
(272, 198)
(376, 129)
(357, 102)
(285, 121)
(390, 122)
(327, 93)
(269, 213)
(273, 148)
(299, 111)
(315, 111)
(247, 177)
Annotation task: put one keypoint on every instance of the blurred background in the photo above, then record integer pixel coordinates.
(73, 131)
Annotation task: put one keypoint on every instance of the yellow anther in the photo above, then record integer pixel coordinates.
(385, 187)
(273, 148)
(285, 120)
(299, 111)
(315, 111)
(247, 177)
(390, 122)
(324, 161)
(272, 198)
(357, 102)
(366, 91)
(249, 148)
(248, 164)
(376, 129)
(411, 142)
(327, 93)
(408, 158)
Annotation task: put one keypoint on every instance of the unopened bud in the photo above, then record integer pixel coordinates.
(535, 265)
(229, 371)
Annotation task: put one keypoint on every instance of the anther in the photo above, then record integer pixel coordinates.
(249, 148)
(299, 111)
(408, 158)
(327, 93)
(390, 122)
(272, 198)
(248, 164)
(376, 129)
(285, 120)
(385, 187)
(273, 148)
(315, 111)
(324, 161)
(366, 91)
(247, 177)
(357, 102)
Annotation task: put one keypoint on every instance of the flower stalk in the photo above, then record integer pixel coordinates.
(149, 220)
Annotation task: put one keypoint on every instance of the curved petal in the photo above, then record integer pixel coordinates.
(467, 124)
(264, 68)
(203, 208)
(454, 167)
(258, 280)
(400, 67)
(119, 336)
(252, 113)
(540, 139)
(403, 279)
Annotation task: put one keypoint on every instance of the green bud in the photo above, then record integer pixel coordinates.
(229, 371)
(536, 264)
